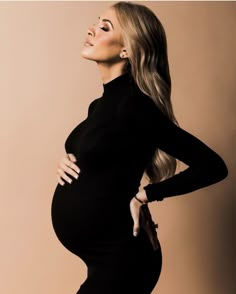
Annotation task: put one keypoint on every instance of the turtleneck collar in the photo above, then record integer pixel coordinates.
(118, 86)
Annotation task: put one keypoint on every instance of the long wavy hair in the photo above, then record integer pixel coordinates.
(145, 40)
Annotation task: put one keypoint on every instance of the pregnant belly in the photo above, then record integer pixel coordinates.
(83, 214)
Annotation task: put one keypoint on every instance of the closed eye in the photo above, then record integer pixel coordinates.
(103, 28)
(106, 21)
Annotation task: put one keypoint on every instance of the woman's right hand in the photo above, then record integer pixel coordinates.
(67, 166)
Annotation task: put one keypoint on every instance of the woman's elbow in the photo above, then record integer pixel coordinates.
(219, 169)
(223, 171)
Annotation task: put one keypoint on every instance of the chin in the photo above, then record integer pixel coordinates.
(86, 55)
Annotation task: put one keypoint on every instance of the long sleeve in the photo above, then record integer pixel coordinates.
(205, 166)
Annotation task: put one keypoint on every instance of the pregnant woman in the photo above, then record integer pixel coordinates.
(130, 130)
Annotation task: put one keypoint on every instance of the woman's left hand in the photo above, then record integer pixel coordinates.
(135, 206)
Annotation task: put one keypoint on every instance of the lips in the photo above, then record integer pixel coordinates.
(88, 43)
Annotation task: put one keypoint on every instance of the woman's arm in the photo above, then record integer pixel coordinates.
(205, 166)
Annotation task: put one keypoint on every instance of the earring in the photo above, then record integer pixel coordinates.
(122, 55)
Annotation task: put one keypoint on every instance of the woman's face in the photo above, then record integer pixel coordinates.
(104, 42)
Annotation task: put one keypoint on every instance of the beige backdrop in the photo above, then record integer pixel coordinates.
(45, 90)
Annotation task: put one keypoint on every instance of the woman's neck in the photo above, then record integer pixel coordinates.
(109, 73)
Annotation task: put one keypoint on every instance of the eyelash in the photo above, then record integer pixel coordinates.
(103, 28)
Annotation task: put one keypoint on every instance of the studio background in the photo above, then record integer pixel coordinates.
(45, 90)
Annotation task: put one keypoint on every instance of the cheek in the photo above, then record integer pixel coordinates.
(109, 43)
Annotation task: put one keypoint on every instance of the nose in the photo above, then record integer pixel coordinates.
(91, 31)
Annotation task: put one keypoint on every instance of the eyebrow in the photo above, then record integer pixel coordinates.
(107, 20)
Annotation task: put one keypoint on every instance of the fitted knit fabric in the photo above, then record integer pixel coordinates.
(113, 146)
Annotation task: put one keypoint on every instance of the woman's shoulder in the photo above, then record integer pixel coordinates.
(138, 103)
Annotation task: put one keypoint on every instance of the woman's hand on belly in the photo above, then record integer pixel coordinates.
(66, 166)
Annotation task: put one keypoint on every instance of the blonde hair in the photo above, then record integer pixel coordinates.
(145, 40)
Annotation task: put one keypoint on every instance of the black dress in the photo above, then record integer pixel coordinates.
(113, 145)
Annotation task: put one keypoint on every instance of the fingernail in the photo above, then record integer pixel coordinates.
(77, 176)
(135, 234)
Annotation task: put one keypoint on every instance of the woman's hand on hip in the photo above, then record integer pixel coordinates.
(66, 166)
(135, 206)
